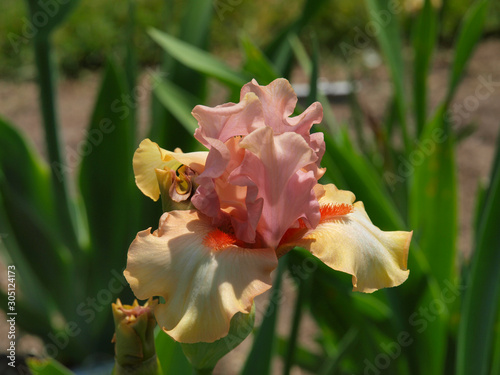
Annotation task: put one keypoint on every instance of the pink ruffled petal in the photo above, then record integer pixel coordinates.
(228, 120)
(272, 172)
(278, 103)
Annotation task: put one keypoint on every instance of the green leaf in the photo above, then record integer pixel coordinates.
(63, 207)
(424, 41)
(303, 357)
(170, 354)
(52, 13)
(279, 49)
(32, 290)
(433, 197)
(495, 366)
(433, 216)
(106, 177)
(470, 32)
(204, 356)
(306, 64)
(313, 78)
(27, 203)
(198, 59)
(178, 102)
(47, 367)
(303, 290)
(260, 357)
(382, 14)
(480, 309)
(195, 31)
(24, 172)
(256, 63)
(345, 344)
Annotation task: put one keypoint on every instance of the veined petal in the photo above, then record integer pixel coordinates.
(272, 172)
(346, 240)
(149, 156)
(204, 277)
(228, 120)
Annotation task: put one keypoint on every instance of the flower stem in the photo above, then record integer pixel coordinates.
(297, 315)
(202, 371)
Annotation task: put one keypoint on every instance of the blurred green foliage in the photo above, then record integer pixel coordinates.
(93, 31)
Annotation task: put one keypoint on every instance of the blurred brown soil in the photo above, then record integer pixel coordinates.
(18, 103)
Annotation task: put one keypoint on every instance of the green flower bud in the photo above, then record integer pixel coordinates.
(134, 339)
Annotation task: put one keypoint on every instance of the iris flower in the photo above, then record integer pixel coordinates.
(254, 196)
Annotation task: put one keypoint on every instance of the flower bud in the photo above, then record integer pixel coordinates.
(134, 338)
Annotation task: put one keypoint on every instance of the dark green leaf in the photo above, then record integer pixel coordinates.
(424, 41)
(106, 177)
(27, 207)
(47, 367)
(195, 30)
(198, 59)
(383, 13)
(433, 216)
(482, 296)
(260, 357)
(204, 356)
(279, 50)
(471, 30)
(256, 63)
(178, 102)
(169, 352)
(313, 78)
(47, 15)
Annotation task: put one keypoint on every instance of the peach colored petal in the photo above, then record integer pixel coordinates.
(204, 277)
(346, 240)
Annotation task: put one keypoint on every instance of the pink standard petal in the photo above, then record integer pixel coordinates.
(272, 171)
(278, 103)
(228, 120)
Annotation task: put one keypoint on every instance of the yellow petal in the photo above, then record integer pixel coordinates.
(346, 240)
(204, 279)
(149, 156)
